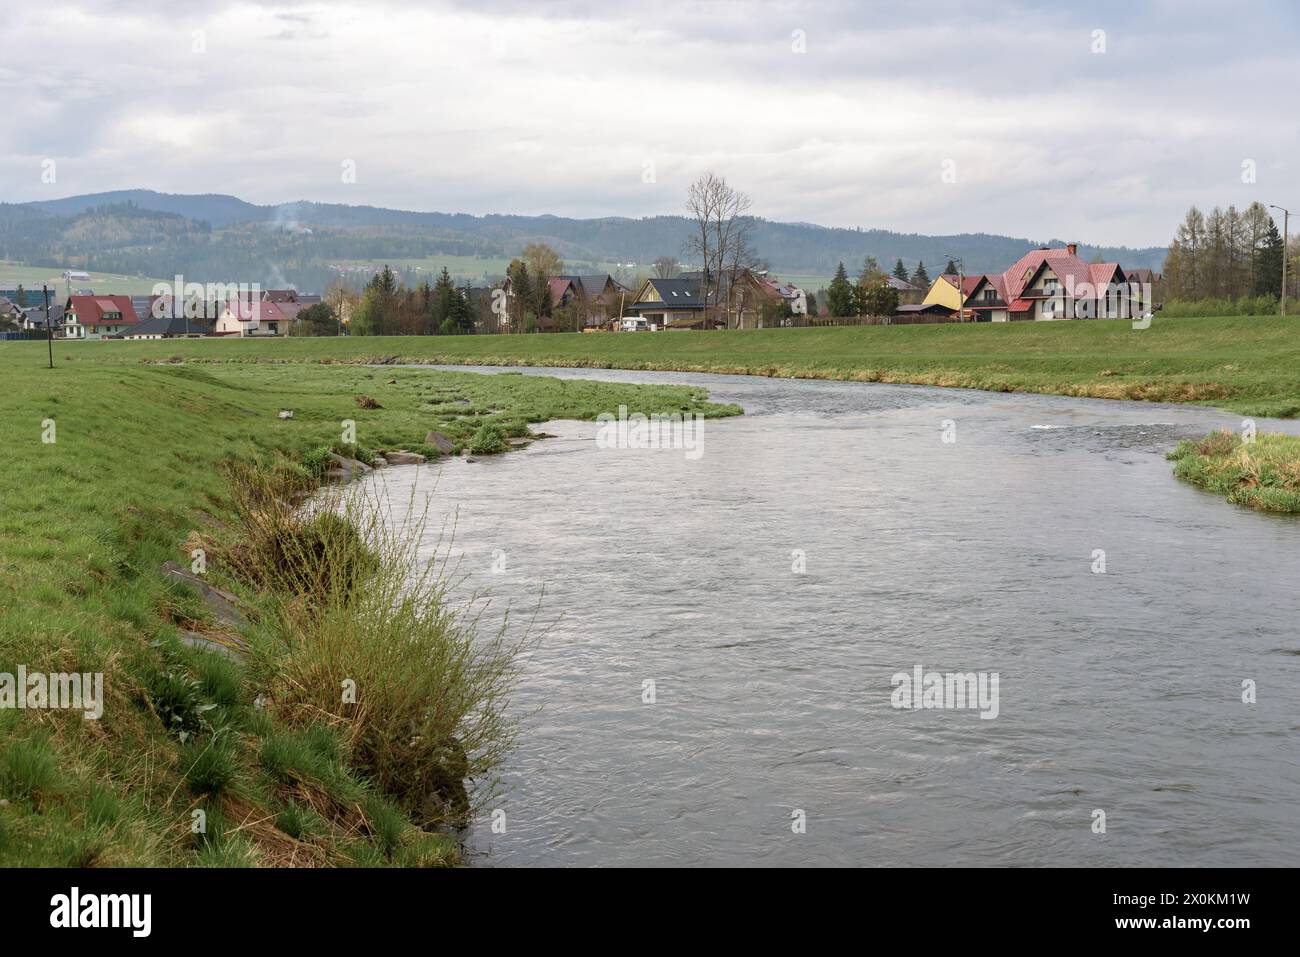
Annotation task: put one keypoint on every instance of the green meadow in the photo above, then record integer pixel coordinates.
(32, 277)
(1247, 364)
(116, 466)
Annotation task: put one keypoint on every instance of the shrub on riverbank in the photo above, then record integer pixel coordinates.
(1263, 473)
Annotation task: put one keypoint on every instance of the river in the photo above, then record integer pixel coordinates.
(772, 737)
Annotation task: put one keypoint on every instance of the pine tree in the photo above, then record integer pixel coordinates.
(444, 293)
(900, 271)
(921, 278)
(460, 312)
(952, 269)
(378, 311)
(1268, 264)
(839, 296)
(521, 294)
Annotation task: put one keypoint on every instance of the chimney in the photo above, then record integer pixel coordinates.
(1072, 248)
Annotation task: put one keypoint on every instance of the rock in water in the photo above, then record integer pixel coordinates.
(440, 442)
(404, 458)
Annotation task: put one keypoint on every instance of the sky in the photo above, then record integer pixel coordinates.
(1097, 121)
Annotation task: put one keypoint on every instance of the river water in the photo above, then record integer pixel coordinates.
(772, 738)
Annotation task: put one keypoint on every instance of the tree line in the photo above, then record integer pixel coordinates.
(1229, 255)
(387, 307)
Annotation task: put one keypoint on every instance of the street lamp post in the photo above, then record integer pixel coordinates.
(1286, 222)
(961, 281)
(49, 330)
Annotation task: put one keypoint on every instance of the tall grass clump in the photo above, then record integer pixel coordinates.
(367, 643)
(1263, 473)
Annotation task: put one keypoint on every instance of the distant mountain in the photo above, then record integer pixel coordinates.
(228, 233)
(213, 208)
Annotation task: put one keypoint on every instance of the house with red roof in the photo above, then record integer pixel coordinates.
(1051, 284)
(97, 317)
(251, 317)
(759, 301)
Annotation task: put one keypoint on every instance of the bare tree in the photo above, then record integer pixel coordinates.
(666, 267)
(721, 231)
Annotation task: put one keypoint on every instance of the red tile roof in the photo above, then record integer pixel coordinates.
(558, 288)
(1069, 268)
(90, 309)
(258, 310)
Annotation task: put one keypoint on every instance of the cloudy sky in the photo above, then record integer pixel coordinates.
(1100, 121)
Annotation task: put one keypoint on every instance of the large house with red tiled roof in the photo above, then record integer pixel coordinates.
(97, 317)
(1049, 284)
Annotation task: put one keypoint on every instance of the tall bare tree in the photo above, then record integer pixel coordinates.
(721, 229)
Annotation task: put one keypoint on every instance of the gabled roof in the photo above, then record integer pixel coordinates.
(90, 309)
(592, 287)
(680, 293)
(258, 310)
(559, 287)
(1067, 267)
(902, 285)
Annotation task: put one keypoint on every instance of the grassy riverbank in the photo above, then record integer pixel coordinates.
(112, 470)
(1264, 473)
(1246, 364)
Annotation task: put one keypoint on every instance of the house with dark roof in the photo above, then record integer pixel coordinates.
(668, 303)
(97, 317)
(169, 327)
(34, 319)
(598, 298)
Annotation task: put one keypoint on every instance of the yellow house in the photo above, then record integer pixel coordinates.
(943, 292)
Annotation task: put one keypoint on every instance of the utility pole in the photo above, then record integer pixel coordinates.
(49, 330)
(961, 281)
(1286, 222)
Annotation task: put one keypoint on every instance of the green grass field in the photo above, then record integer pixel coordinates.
(1245, 364)
(113, 466)
(31, 277)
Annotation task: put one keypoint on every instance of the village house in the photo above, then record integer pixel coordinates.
(759, 302)
(251, 317)
(1045, 285)
(599, 298)
(169, 327)
(944, 292)
(669, 303)
(97, 317)
(1053, 284)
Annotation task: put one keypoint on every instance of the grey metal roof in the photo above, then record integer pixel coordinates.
(170, 326)
(679, 293)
